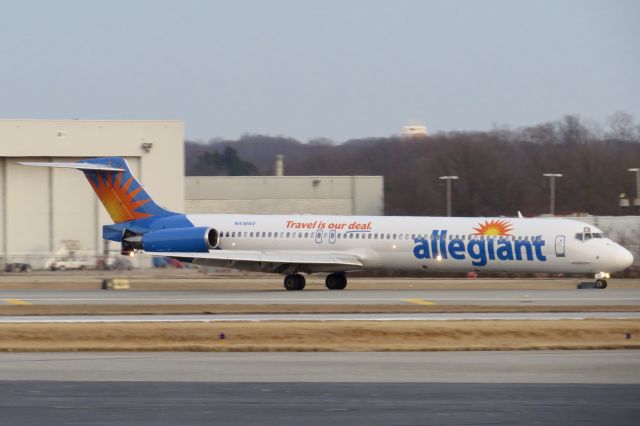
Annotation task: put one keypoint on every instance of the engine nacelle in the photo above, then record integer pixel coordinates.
(181, 239)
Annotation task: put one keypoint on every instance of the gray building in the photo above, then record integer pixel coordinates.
(340, 195)
(42, 207)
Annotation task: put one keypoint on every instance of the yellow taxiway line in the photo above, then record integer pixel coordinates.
(419, 301)
(16, 302)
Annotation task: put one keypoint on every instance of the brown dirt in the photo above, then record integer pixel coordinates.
(213, 309)
(326, 336)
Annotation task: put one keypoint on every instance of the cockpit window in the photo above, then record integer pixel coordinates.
(597, 235)
(579, 236)
(587, 236)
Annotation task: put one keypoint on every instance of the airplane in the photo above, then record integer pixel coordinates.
(298, 243)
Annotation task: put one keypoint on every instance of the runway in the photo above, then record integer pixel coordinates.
(584, 367)
(30, 319)
(159, 404)
(322, 297)
(288, 388)
(444, 388)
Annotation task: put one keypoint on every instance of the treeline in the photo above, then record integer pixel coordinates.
(500, 171)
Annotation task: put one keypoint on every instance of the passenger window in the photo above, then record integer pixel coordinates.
(375, 236)
(400, 236)
(288, 234)
(369, 237)
(351, 236)
(394, 236)
(233, 234)
(251, 234)
(269, 235)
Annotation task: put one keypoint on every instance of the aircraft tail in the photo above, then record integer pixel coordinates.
(119, 191)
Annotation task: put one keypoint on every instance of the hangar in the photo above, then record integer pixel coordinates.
(40, 208)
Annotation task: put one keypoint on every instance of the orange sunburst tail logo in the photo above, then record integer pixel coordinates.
(120, 193)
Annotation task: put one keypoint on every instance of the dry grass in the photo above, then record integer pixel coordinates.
(219, 309)
(325, 336)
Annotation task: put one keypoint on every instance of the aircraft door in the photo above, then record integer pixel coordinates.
(319, 237)
(560, 239)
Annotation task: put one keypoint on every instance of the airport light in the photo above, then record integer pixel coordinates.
(636, 201)
(448, 179)
(552, 191)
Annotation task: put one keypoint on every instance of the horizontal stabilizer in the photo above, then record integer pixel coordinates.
(79, 166)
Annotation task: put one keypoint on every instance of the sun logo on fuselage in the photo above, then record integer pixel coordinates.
(494, 227)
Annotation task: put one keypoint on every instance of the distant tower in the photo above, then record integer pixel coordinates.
(279, 165)
(413, 130)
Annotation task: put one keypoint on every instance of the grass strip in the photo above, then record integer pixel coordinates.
(324, 336)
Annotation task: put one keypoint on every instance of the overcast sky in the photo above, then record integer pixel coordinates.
(337, 69)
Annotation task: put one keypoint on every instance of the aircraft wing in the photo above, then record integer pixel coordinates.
(273, 260)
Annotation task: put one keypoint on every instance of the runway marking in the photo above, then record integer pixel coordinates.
(318, 317)
(327, 299)
(16, 302)
(419, 301)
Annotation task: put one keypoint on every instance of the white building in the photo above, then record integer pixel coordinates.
(342, 195)
(42, 207)
(414, 130)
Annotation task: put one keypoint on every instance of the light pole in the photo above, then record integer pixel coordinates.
(552, 191)
(636, 201)
(448, 179)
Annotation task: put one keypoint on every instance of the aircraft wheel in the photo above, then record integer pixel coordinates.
(294, 282)
(601, 284)
(336, 281)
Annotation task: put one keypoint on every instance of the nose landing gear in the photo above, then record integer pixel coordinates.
(601, 284)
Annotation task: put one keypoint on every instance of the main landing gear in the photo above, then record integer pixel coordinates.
(336, 281)
(294, 282)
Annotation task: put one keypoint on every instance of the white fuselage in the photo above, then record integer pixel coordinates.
(428, 243)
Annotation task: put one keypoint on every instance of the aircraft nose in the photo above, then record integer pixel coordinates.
(624, 258)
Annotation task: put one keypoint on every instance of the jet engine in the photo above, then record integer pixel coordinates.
(199, 239)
